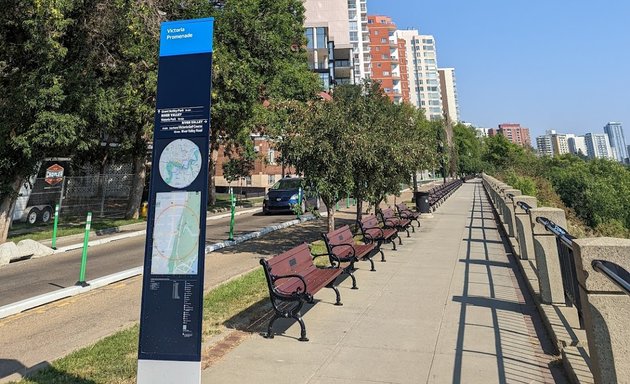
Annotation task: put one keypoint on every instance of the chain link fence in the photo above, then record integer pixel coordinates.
(105, 195)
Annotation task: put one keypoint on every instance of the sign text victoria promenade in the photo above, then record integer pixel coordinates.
(172, 294)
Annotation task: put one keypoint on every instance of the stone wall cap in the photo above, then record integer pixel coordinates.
(556, 215)
(599, 248)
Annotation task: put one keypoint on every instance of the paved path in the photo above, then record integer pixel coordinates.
(446, 308)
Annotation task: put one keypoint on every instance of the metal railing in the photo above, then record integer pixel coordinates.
(615, 273)
(524, 206)
(564, 242)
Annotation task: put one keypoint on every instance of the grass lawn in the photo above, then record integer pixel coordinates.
(114, 359)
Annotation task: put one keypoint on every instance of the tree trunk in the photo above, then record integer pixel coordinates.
(137, 187)
(415, 181)
(6, 209)
(330, 209)
(359, 209)
(212, 166)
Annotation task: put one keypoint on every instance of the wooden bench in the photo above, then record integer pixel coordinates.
(390, 220)
(341, 245)
(293, 278)
(408, 213)
(373, 232)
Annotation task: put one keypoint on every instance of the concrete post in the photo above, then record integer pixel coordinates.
(605, 308)
(546, 254)
(523, 227)
(508, 211)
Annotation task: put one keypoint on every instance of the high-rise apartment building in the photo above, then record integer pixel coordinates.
(544, 145)
(598, 146)
(359, 39)
(514, 133)
(617, 141)
(423, 75)
(448, 90)
(559, 144)
(577, 145)
(331, 53)
(388, 58)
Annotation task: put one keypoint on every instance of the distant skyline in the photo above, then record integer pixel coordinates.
(558, 65)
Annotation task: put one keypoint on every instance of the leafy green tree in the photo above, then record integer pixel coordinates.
(320, 146)
(259, 55)
(33, 98)
(112, 65)
(468, 148)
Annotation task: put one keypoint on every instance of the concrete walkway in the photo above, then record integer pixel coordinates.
(446, 307)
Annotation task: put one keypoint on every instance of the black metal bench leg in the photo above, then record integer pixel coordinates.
(393, 241)
(399, 239)
(407, 230)
(382, 256)
(371, 264)
(338, 302)
(295, 314)
(413, 229)
(275, 317)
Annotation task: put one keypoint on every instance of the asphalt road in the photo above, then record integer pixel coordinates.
(25, 279)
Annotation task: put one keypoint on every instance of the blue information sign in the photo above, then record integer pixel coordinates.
(172, 293)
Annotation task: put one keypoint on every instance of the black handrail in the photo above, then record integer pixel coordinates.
(565, 247)
(524, 206)
(614, 273)
(557, 230)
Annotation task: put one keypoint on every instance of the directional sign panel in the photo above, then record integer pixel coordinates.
(172, 293)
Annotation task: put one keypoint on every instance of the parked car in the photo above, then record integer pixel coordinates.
(284, 195)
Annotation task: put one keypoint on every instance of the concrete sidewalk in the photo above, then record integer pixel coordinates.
(446, 307)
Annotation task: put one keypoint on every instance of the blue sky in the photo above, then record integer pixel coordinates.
(547, 64)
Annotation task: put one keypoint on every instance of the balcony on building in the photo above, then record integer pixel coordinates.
(344, 66)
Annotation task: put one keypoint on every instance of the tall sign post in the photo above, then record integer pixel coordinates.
(172, 294)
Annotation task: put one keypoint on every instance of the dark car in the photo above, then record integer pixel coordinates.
(284, 195)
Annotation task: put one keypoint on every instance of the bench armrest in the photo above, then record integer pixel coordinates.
(333, 246)
(275, 278)
(370, 237)
(330, 256)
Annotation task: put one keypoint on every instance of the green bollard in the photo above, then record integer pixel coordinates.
(348, 201)
(88, 225)
(56, 221)
(299, 201)
(233, 208)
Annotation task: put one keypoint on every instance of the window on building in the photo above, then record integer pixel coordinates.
(378, 65)
(248, 180)
(308, 32)
(385, 57)
(434, 102)
(322, 40)
(434, 95)
(427, 41)
(435, 109)
(377, 49)
(375, 32)
(354, 36)
(271, 180)
(385, 73)
(423, 103)
(427, 47)
(419, 89)
(383, 40)
(432, 81)
(432, 89)
(352, 4)
(387, 90)
(354, 26)
(271, 156)
(352, 13)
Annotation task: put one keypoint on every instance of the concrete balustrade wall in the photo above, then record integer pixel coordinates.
(605, 307)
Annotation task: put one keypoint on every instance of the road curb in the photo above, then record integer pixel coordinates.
(46, 298)
(143, 232)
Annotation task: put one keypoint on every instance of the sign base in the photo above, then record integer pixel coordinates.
(168, 372)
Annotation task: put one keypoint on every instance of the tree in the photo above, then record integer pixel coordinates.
(33, 103)
(112, 73)
(319, 146)
(258, 56)
(468, 148)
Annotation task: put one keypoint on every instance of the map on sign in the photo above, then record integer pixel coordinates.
(180, 163)
(176, 233)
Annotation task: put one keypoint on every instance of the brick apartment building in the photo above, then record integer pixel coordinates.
(514, 133)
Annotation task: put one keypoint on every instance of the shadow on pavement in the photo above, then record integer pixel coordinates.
(42, 373)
